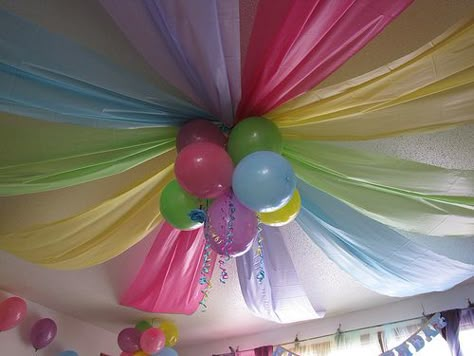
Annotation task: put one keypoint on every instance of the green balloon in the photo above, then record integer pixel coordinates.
(143, 325)
(251, 135)
(175, 206)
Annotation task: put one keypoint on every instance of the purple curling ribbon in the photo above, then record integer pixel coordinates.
(204, 280)
(259, 261)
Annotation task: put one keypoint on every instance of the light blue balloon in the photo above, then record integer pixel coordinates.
(264, 181)
(166, 351)
(69, 353)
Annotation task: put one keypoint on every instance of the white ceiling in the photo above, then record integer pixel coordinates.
(92, 294)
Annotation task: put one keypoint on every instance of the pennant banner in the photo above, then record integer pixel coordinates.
(281, 351)
(418, 340)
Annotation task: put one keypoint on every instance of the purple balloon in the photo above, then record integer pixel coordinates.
(43, 333)
(243, 228)
(129, 340)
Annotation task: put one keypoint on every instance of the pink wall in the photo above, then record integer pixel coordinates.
(73, 334)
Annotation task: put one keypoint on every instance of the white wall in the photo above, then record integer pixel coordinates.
(405, 309)
(73, 334)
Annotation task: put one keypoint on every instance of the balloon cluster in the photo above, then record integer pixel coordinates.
(147, 339)
(230, 183)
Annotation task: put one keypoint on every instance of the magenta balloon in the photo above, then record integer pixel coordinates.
(129, 340)
(244, 227)
(199, 131)
(204, 170)
(152, 340)
(12, 312)
(43, 333)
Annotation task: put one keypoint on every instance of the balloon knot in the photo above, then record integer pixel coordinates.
(198, 215)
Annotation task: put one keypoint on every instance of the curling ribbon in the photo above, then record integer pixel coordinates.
(204, 280)
(259, 259)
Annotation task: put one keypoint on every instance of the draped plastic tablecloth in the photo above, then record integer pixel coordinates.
(169, 279)
(47, 76)
(296, 44)
(407, 195)
(428, 89)
(95, 235)
(280, 297)
(378, 257)
(37, 156)
(195, 45)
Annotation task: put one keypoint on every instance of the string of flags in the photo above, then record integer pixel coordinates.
(419, 339)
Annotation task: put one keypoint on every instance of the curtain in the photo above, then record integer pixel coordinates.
(363, 342)
(457, 320)
(259, 351)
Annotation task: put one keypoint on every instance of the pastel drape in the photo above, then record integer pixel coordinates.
(44, 75)
(194, 45)
(402, 194)
(89, 25)
(429, 89)
(95, 235)
(380, 258)
(296, 44)
(280, 297)
(169, 279)
(37, 156)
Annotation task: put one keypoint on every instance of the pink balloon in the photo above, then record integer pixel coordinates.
(204, 170)
(12, 312)
(129, 340)
(152, 340)
(43, 333)
(199, 131)
(123, 353)
(244, 225)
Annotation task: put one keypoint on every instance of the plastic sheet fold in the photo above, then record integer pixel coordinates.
(193, 45)
(431, 88)
(44, 75)
(380, 258)
(94, 235)
(280, 297)
(406, 195)
(169, 279)
(296, 44)
(37, 156)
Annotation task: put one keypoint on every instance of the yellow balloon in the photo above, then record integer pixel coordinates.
(171, 332)
(140, 353)
(285, 214)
